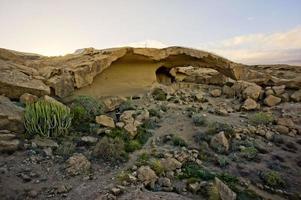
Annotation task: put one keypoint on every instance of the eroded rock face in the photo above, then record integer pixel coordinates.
(11, 116)
(122, 71)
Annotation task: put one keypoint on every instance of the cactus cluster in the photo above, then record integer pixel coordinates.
(47, 119)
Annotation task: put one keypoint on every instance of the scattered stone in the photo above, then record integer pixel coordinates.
(44, 142)
(249, 104)
(77, 164)
(282, 129)
(271, 100)
(216, 92)
(105, 121)
(224, 191)
(296, 96)
(146, 175)
(89, 139)
(164, 182)
(285, 122)
(220, 140)
(111, 103)
(194, 187)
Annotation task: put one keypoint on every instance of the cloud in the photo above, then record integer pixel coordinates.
(148, 43)
(273, 48)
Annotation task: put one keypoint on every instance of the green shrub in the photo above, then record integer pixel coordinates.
(261, 118)
(123, 176)
(111, 149)
(230, 180)
(159, 94)
(222, 161)
(143, 159)
(132, 146)
(273, 179)
(127, 105)
(154, 113)
(178, 141)
(47, 119)
(143, 135)
(119, 133)
(199, 120)
(217, 127)
(250, 153)
(156, 166)
(66, 149)
(191, 169)
(85, 109)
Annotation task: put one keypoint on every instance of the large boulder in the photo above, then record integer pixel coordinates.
(11, 116)
(271, 100)
(246, 90)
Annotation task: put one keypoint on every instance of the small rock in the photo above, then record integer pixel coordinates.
(89, 139)
(48, 151)
(285, 122)
(296, 96)
(282, 129)
(105, 121)
(146, 175)
(220, 140)
(33, 193)
(44, 142)
(164, 182)
(279, 89)
(63, 188)
(252, 91)
(120, 124)
(170, 164)
(194, 187)
(216, 92)
(224, 191)
(116, 191)
(28, 98)
(271, 100)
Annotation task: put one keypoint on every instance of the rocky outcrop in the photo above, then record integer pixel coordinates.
(11, 116)
(37, 75)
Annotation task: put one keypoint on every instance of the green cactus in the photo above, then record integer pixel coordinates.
(47, 119)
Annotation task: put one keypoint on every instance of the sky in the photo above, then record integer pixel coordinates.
(246, 31)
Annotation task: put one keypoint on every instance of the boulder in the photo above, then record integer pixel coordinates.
(271, 100)
(44, 142)
(249, 104)
(28, 98)
(146, 175)
(77, 164)
(224, 191)
(296, 96)
(228, 91)
(62, 85)
(105, 121)
(11, 116)
(282, 129)
(220, 142)
(285, 122)
(278, 90)
(252, 91)
(216, 92)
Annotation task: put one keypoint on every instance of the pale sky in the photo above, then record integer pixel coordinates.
(248, 31)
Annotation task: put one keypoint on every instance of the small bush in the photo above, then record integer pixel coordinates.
(66, 149)
(47, 119)
(154, 113)
(199, 120)
(143, 134)
(111, 149)
(191, 169)
(123, 176)
(85, 109)
(273, 179)
(119, 133)
(159, 94)
(261, 118)
(217, 127)
(250, 153)
(230, 180)
(132, 146)
(222, 161)
(156, 166)
(143, 159)
(127, 105)
(178, 141)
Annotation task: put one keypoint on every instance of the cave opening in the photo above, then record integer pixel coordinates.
(163, 76)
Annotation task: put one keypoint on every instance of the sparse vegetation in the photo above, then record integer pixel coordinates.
(261, 118)
(273, 179)
(213, 193)
(47, 119)
(159, 94)
(199, 119)
(217, 127)
(66, 149)
(191, 169)
(127, 105)
(156, 166)
(154, 113)
(222, 161)
(250, 153)
(132, 146)
(84, 109)
(178, 141)
(111, 149)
